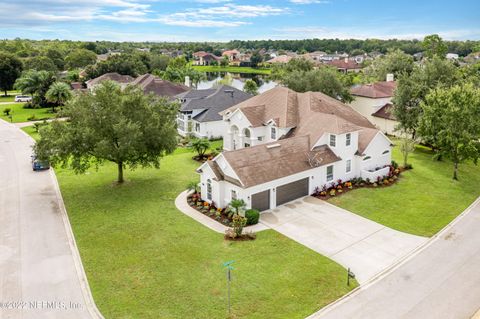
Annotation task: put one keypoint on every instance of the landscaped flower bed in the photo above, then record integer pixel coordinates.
(223, 216)
(340, 187)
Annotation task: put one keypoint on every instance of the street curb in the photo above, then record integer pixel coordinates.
(395, 265)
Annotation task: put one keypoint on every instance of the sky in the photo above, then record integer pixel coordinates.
(224, 20)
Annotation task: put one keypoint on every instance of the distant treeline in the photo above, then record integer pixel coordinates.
(29, 48)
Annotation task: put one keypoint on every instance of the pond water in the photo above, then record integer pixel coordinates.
(237, 80)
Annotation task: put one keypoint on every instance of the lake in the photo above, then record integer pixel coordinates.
(237, 80)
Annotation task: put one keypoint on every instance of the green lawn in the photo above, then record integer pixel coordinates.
(10, 96)
(145, 259)
(231, 69)
(30, 130)
(423, 201)
(20, 114)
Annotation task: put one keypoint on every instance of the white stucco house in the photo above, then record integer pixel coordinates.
(200, 111)
(281, 145)
(374, 101)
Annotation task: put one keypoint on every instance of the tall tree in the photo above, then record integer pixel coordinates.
(251, 87)
(10, 69)
(80, 58)
(256, 59)
(125, 127)
(36, 83)
(434, 46)
(58, 94)
(395, 62)
(451, 115)
(40, 63)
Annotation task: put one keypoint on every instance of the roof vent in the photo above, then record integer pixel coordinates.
(229, 91)
(273, 145)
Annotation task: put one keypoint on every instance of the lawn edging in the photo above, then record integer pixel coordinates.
(395, 265)
(182, 205)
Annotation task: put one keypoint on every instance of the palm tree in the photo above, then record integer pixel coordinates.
(36, 83)
(58, 94)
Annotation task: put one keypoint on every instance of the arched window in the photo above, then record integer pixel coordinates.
(246, 133)
(209, 189)
(386, 152)
(366, 158)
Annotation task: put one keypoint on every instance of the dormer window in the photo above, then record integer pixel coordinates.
(348, 140)
(333, 140)
(273, 133)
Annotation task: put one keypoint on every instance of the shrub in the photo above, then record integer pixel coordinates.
(394, 164)
(32, 118)
(238, 223)
(408, 166)
(252, 216)
(333, 192)
(7, 111)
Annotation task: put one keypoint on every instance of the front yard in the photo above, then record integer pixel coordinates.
(145, 259)
(19, 114)
(423, 201)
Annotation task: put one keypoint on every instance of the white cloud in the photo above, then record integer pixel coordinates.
(308, 1)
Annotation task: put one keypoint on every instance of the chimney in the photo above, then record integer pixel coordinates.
(346, 60)
(390, 77)
(187, 81)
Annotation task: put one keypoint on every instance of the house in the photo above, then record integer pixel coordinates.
(204, 58)
(374, 102)
(345, 65)
(281, 59)
(199, 113)
(232, 55)
(282, 145)
(452, 56)
(123, 80)
(152, 84)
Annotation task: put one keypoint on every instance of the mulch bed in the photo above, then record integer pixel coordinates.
(218, 214)
(340, 187)
(204, 158)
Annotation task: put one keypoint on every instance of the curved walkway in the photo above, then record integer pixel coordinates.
(440, 280)
(41, 274)
(182, 205)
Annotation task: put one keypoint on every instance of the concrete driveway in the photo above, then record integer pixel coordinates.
(41, 275)
(355, 242)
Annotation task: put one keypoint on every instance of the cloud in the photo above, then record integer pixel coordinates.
(308, 1)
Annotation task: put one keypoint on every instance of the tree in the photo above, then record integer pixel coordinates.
(57, 58)
(412, 89)
(251, 87)
(280, 71)
(256, 59)
(238, 207)
(125, 127)
(40, 63)
(159, 62)
(326, 80)
(58, 94)
(451, 114)
(10, 69)
(395, 62)
(36, 83)
(80, 58)
(126, 64)
(200, 146)
(407, 145)
(434, 46)
(224, 61)
(177, 69)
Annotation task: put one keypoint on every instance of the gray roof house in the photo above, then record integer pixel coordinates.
(199, 113)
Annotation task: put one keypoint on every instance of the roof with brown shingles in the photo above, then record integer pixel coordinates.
(113, 76)
(385, 112)
(375, 90)
(152, 84)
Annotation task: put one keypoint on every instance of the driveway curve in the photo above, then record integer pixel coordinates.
(41, 275)
(362, 245)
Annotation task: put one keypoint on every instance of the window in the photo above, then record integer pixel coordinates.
(234, 194)
(386, 152)
(197, 127)
(273, 133)
(260, 138)
(209, 189)
(333, 140)
(366, 158)
(348, 167)
(349, 139)
(329, 173)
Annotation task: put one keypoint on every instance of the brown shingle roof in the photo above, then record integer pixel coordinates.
(280, 59)
(113, 76)
(341, 64)
(385, 112)
(152, 84)
(376, 90)
(263, 163)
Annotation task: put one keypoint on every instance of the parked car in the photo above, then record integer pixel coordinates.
(23, 98)
(38, 165)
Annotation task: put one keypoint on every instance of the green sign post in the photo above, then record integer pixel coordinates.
(229, 267)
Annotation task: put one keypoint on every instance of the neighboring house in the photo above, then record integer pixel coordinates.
(345, 65)
(452, 56)
(281, 59)
(232, 55)
(199, 113)
(152, 84)
(374, 102)
(123, 80)
(282, 145)
(205, 58)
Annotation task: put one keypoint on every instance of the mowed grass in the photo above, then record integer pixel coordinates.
(231, 69)
(19, 114)
(30, 130)
(145, 259)
(10, 96)
(423, 201)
